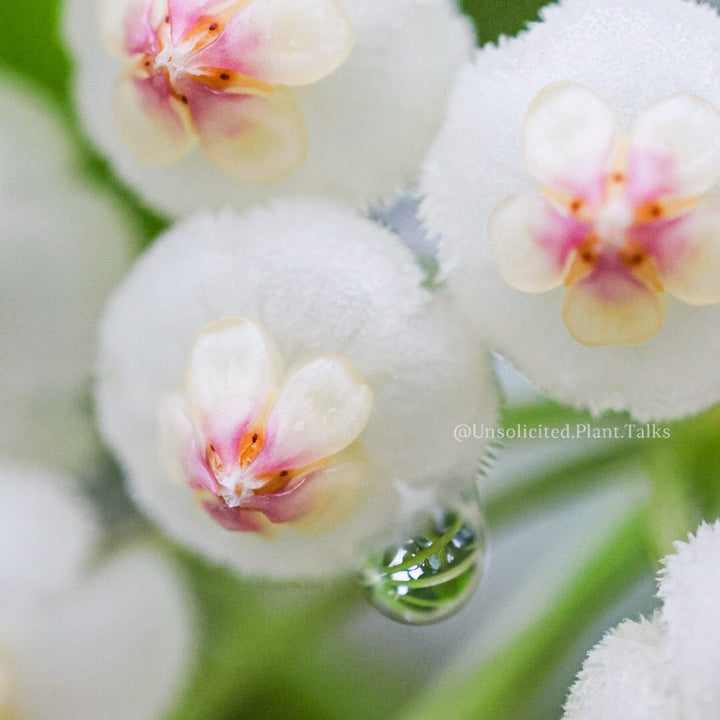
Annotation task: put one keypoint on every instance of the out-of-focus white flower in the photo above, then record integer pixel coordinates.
(266, 88)
(62, 247)
(294, 367)
(80, 638)
(666, 668)
(610, 106)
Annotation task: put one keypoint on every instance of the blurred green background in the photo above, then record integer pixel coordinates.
(316, 651)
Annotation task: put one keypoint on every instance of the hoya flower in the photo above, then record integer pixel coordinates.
(274, 382)
(62, 247)
(619, 220)
(82, 638)
(666, 668)
(219, 72)
(260, 446)
(206, 104)
(578, 215)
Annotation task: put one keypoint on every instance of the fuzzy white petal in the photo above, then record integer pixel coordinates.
(320, 281)
(62, 247)
(117, 647)
(369, 123)
(38, 509)
(632, 55)
(690, 589)
(626, 673)
(83, 638)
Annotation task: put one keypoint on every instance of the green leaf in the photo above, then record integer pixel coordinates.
(493, 18)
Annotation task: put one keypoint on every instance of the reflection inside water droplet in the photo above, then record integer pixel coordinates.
(431, 576)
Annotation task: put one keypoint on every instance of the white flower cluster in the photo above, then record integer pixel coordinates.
(666, 668)
(277, 384)
(277, 377)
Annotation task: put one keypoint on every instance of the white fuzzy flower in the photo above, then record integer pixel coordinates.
(325, 97)
(292, 367)
(667, 668)
(81, 642)
(62, 247)
(625, 676)
(585, 153)
(690, 590)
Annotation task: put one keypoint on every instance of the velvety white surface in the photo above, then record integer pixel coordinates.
(319, 280)
(369, 124)
(632, 54)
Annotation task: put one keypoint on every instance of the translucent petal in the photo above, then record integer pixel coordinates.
(181, 446)
(254, 138)
(692, 250)
(335, 493)
(533, 241)
(569, 139)
(323, 406)
(230, 378)
(128, 25)
(184, 14)
(154, 124)
(282, 41)
(612, 308)
(674, 149)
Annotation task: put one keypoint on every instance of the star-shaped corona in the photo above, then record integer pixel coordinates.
(620, 219)
(262, 446)
(220, 72)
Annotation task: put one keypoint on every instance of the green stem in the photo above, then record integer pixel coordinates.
(497, 690)
(559, 480)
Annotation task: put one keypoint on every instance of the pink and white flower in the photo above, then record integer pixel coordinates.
(219, 71)
(296, 115)
(262, 446)
(619, 219)
(559, 147)
(277, 384)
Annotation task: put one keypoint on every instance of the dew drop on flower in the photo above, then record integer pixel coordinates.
(432, 574)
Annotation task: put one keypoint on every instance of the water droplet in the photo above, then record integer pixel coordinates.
(431, 576)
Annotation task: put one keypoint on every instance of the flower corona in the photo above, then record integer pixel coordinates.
(259, 450)
(619, 219)
(220, 71)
